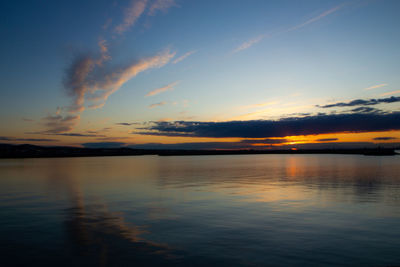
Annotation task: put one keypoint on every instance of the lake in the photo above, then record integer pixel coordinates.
(232, 210)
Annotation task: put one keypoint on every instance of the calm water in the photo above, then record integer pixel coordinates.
(278, 210)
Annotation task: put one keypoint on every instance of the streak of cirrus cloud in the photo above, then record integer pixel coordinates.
(102, 88)
(89, 78)
(179, 59)
(161, 5)
(315, 19)
(79, 75)
(259, 38)
(376, 86)
(391, 93)
(249, 43)
(131, 15)
(157, 104)
(157, 91)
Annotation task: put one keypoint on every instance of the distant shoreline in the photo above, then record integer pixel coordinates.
(32, 151)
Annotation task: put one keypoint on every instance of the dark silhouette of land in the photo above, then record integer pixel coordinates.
(33, 151)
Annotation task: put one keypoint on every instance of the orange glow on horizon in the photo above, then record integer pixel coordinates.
(130, 139)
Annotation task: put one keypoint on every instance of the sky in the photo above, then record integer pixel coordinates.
(200, 74)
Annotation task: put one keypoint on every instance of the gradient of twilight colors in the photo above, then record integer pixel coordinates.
(200, 74)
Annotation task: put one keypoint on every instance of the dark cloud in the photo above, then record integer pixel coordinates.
(243, 144)
(363, 102)
(318, 124)
(264, 141)
(103, 145)
(68, 134)
(385, 138)
(170, 134)
(367, 110)
(194, 146)
(109, 138)
(127, 123)
(59, 124)
(4, 138)
(78, 135)
(341, 145)
(299, 114)
(99, 131)
(327, 139)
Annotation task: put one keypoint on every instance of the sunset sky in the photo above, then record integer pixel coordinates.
(200, 74)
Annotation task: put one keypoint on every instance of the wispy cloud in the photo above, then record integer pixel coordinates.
(76, 81)
(77, 134)
(91, 79)
(112, 81)
(79, 76)
(161, 5)
(391, 93)
(131, 15)
(157, 91)
(58, 123)
(14, 139)
(71, 134)
(257, 39)
(249, 43)
(107, 24)
(376, 86)
(179, 59)
(86, 79)
(157, 104)
(317, 18)
(103, 51)
(105, 129)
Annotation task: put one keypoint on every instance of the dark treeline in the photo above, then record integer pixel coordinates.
(32, 151)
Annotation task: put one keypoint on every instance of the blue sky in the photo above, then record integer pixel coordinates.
(209, 61)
